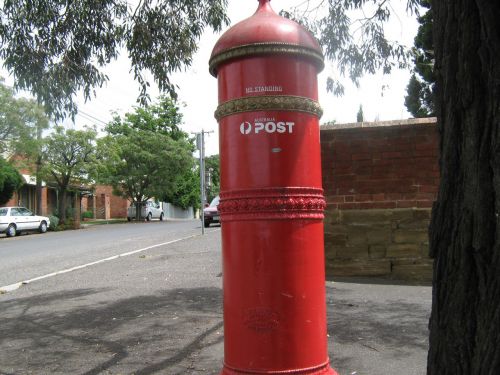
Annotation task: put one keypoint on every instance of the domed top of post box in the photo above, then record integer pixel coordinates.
(265, 33)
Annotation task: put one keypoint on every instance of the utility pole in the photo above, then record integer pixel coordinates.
(37, 172)
(200, 145)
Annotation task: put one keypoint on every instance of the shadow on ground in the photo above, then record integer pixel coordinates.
(179, 331)
(63, 333)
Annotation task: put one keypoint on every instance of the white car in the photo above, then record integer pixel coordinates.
(14, 220)
(149, 210)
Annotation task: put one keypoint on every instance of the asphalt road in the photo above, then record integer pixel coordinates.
(33, 255)
(159, 311)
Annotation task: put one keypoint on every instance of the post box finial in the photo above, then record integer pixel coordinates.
(264, 5)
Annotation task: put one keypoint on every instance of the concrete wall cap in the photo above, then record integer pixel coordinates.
(375, 124)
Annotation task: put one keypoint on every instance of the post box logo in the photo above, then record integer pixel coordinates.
(245, 127)
(269, 127)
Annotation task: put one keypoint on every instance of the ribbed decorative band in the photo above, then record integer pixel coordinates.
(272, 204)
(265, 49)
(268, 103)
(323, 369)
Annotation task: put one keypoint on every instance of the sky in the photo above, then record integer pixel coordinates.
(198, 89)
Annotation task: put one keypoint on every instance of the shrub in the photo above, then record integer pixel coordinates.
(54, 222)
(87, 215)
(68, 224)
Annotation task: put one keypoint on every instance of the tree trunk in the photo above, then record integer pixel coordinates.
(62, 205)
(138, 210)
(465, 227)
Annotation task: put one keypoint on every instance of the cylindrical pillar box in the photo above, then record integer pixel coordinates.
(271, 197)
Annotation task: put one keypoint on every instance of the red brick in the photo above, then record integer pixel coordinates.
(348, 191)
(360, 145)
(349, 198)
(362, 170)
(362, 156)
(378, 197)
(394, 196)
(392, 155)
(428, 189)
(431, 146)
(342, 170)
(337, 199)
(379, 205)
(381, 162)
(419, 153)
(362, 163)
(363, 198)
(426, 196)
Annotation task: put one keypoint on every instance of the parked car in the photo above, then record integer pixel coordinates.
(149, 210)
(14, 220)
(211, 213)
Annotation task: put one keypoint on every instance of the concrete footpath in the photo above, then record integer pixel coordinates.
(160, 312)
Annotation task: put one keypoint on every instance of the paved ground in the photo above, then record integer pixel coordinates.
(30, 255)
(160, 312)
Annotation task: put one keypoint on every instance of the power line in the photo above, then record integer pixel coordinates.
(92, 117)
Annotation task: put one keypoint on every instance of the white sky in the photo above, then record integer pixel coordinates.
(198, 89)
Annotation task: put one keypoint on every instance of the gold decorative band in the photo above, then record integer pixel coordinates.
(265, 49)
(268, 103)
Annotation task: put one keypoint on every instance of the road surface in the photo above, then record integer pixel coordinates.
(33, 255)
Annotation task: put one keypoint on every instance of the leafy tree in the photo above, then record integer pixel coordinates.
(10, 181)
(10, 121)
(359, 115)
(57, 48)
(420, 89)
(19, 120)
(146, 155)
(69, 159)
(22, 122)
(357, 46)
(212, 165)
(185, 190)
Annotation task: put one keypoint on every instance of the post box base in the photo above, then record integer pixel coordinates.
(321, 370)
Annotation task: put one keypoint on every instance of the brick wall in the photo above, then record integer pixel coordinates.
(380, 165)
(380, 182)
(117, 205)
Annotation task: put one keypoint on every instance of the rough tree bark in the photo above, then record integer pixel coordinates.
(465, 227)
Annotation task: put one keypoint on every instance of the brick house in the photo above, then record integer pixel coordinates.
(26, 195)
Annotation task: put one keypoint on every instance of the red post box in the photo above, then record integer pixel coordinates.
(271, 195)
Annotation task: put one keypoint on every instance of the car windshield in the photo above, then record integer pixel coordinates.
(3, 211)
(215, 202)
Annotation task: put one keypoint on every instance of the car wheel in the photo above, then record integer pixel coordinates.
(128, 219)
(206, 224)
(161, 217)
(43, 227)
(149, 217)
(11, 230)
